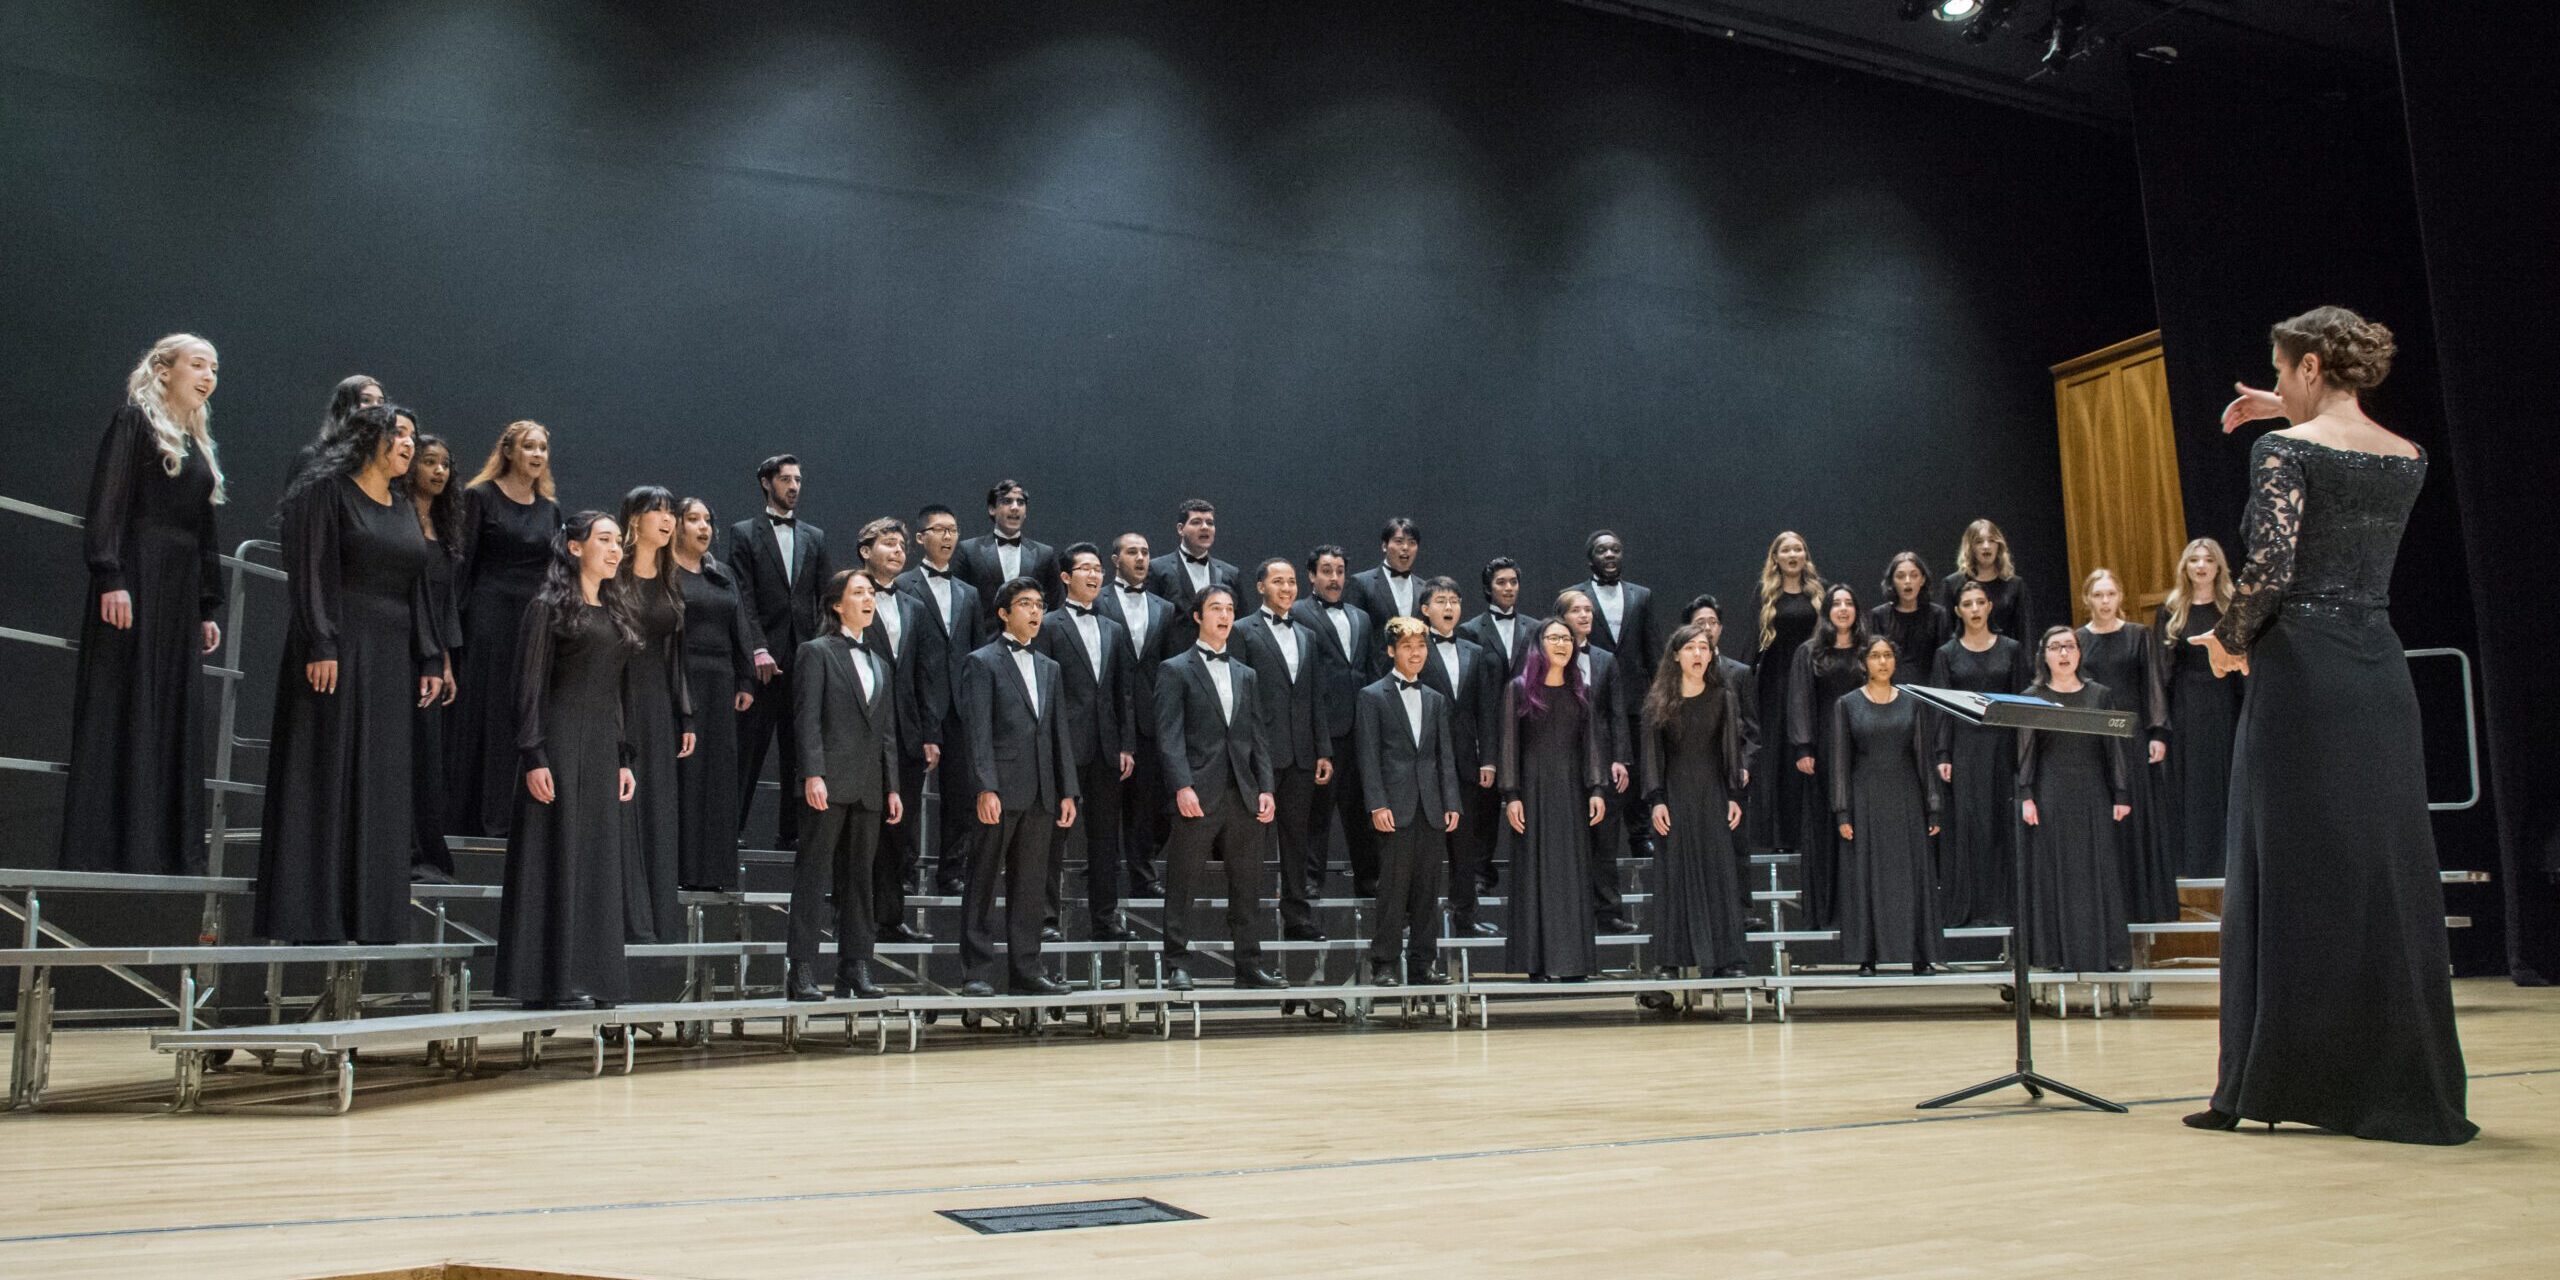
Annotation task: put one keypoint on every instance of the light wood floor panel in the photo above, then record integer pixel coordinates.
(1593, 1142)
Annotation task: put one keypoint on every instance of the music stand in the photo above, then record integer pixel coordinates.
(2009, 711)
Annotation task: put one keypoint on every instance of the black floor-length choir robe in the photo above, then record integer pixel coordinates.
(135, 800)
(720, 641)
(1553, 763)
(427, 725)
(1774, 817)
(333, 858)
(2336, 1007)
(1975, 877)
(1693, 765)
(1882, 785)
(2204, 713)
(1819, 678)
(505, 548)
(2012, 608)
(560, 925)
(2123, 662)
(658, 712)
(2075, 852)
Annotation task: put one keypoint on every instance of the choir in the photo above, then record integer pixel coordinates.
(602, 692)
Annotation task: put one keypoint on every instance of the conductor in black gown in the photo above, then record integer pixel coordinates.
(2336, 1009)
(135, 800)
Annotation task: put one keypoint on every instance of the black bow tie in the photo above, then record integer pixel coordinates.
(1505, 615)
(1080, 610)
(1212, 655)
(1012, 645)
(1003, 541)
(793, 521)
(1399, 576)
(1437, 638)
(1406, 686)
(1202, 561)
(1130, 590)
(931, 572)
(1280, 619)
(1328, 604)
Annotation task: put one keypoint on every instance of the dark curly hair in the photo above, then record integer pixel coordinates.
(2355, 353)
(560, 595)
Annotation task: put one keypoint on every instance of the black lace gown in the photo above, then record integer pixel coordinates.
(1773, 817)
(2203, 715)
(1883, 787)
(1553, 764)
(1693, 765)
(560, 924)
(2012, 607)
(1822, 676)
(2336, 1008)
(2122, 660)
(426, 738)
(333, 849)
(2075, 852)
(1975, 876)
(135, 802)
(720, 641)
(656, 715)
(505, 548)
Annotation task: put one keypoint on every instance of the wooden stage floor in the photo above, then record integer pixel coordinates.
(1595, 1141)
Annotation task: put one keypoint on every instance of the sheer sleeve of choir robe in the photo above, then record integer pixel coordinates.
(2076, 849)
(560, 924)
(659, 714)
(334, 839)
(1553, 765)
(1882, 786)
(135, 797)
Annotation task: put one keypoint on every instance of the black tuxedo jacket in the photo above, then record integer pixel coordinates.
(1746, 688)
(1148, 654)
(1635, 641)
(1610, 703)
(845, 738)
(1017, 735)
(1197, 744)
(1474, 702)
(975, 559)
(946, 647)
(789, 608)
(1098, 703)
(1414, 782)
(1294, 729)
(924, 682)
(1166, 577)
(1346, 671)
(1480, 629)
(1369, 590)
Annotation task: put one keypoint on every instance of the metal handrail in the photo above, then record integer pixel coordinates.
(2470, 726)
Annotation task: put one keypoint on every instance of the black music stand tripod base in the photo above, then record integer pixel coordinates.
(2034, 1084)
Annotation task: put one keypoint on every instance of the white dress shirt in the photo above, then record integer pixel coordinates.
(940, 589)
(1611, 599)
(1030, 678)
(1400, 587)
(787, 538)
(1447, 654)
(1196, 572)
(862, 660)
(1286, 636)
(1411, 693)
(893, 623)
(1340, 617)
(1089, 629)
(1222, 678)
(1134, 608)
(1508, 630)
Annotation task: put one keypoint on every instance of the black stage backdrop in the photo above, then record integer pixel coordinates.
(2484, 142)
(1517, 269)
(2270, 185)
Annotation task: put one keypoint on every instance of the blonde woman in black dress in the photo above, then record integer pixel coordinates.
(2118, 655)
(2203, 711)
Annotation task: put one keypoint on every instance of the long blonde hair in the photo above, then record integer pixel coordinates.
(1773, 584)
(144, 390)
(502, 456)
(2173, 611)
(1964, 549)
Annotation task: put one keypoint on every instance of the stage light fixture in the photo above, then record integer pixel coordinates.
(1957, 10)
(2062, 36)
(1988, 18)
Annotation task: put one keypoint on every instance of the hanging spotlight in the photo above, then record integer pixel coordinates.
(1957, 10)
(1988, 17)
(2062, 35)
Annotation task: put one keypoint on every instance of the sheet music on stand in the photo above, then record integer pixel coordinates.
(2019, 711)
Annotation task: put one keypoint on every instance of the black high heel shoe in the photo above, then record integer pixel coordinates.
(2211, 1119)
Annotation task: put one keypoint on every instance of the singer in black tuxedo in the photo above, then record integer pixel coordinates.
(1023, 787)
(1502, 633)
(1471, 679)
(1348, 646)
(1209, 735)
(956, 624)
(782, 570)
(1004, 553)
(1409, 781)
(1288, 678)
(1097, 678)
(1192, 569)
(1151, 624)
(900, 635)
(845, 721)
(1632, 639)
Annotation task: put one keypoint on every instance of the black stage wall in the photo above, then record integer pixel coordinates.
(2484, 142)
(1517, 269)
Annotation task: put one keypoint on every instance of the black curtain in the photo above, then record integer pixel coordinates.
(2483, 112)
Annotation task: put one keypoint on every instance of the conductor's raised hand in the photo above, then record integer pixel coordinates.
(2225, 662)
(2250, 406)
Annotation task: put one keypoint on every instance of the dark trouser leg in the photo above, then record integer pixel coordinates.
(825, 860)
(1399, 858)
(857, 851)
(1098, 816)
(1142, 807)
(955, 819)
(979, 925)
(1468, 847)
(1480, 830)
(1422, 904)
(1239, 838)
(1342, 797)
(1186, 863)
(1293, 790)
(901, 847)
(767, 721)
(1024, 839)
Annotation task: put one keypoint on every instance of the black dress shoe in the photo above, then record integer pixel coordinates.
(1040, 985)
(1382, 973)
(1052, 933)
(1112, 931)
(1260, 979)
(904, 932)
(422, 874)
(1430, 976)
(1734, 971)
(953, 888)
(1617, 924)
(977, 988)
(1304, 933)
(856, 983)
(1755, 924)
(1923, 969)
(1177, 978)
(1147, 888)
(804, 984)
(1484, 928)
(1866, 971)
